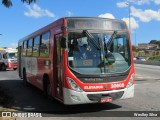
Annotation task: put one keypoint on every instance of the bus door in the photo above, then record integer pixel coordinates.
(59, 67)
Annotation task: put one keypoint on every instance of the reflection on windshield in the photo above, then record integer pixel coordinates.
(113, 55)
(12, 55)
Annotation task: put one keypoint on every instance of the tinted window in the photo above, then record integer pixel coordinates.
(44, 47)
(24, 48)
(0, 56)
(4, 56)
(36, 44)
(85, 58)
(29, 47)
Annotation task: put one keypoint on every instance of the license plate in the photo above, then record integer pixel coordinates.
(106, 99)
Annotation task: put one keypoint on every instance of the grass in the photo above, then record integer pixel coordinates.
(6, 99)
(154, 58)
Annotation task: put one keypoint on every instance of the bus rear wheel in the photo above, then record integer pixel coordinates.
(25, 78)
(3, 67)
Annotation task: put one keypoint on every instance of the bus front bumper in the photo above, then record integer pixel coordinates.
(11, 65)
(72, 97)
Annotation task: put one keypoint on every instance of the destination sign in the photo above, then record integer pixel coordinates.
(96, 23)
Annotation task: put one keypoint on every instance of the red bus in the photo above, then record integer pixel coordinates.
(79, 60)
(8, 59)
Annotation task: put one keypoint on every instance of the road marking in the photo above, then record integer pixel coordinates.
(145, 77)
(147, 83)
(5, 78)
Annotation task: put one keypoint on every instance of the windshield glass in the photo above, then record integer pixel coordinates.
(12, 55)
(99, 52)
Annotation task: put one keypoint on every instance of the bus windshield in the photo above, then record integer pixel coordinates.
(95, 53)
(12, 55)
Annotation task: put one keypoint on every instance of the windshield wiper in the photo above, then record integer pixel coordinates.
(112, 37)
(109, 41)
(92, 40)
(110, 58)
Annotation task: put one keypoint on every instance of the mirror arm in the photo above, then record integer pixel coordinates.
(63, 42)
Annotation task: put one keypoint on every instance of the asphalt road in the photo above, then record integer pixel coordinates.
(147, 71)
(147, 98)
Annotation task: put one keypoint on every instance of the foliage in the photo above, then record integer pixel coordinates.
(8, 3)
(154, 58)
(155, 42)
(136, 49)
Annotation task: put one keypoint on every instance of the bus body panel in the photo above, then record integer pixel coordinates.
(35, 66)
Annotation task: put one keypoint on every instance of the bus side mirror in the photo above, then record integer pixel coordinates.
(63, 42)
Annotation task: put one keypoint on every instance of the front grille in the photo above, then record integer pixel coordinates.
(13, 60)
(97, 97)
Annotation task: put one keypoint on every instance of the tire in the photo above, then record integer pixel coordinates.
(25, 83)
(47, 87)
(3, 67)
(14, 68)
(0, 68)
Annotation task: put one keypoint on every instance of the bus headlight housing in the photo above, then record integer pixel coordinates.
(73, 85)
(131, 81)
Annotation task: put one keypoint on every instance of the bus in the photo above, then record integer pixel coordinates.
(79, 60)
(8, 59)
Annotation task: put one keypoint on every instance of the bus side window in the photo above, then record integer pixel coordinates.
(24, 48)
(0, 56)
(44, 47)
(36, 43)
(5, 56)
(29, 47)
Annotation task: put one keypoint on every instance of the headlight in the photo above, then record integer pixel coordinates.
(73, 85)
(130, 83)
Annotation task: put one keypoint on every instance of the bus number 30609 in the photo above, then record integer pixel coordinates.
(117, 85)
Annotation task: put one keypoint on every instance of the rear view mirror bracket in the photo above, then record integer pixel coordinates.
(63, 42)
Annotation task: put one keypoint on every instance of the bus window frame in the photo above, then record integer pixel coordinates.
(49, 37)
(24, 51)
(33, 53)
(0, 56)
(29, 47)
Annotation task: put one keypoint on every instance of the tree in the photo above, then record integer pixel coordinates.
(158, 42)
(153, 41)
(8, 3)
(134, 48)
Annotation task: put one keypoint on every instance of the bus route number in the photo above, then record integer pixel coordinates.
(117, 85)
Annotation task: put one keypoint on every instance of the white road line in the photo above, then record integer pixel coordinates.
(142, 77)
(146, 83)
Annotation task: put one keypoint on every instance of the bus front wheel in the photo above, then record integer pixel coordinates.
(46, 87)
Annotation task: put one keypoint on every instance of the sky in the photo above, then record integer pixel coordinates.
(21, 19)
